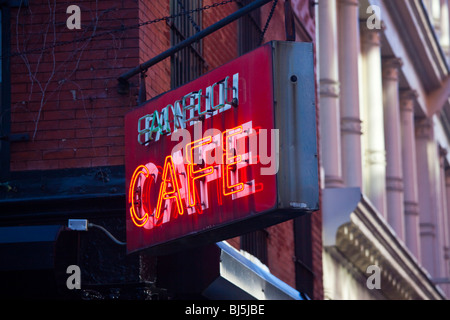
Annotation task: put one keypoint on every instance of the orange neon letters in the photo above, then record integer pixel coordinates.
(229, 156)
(191, 173)
(232, 180)
(138, 221)
(174, 189)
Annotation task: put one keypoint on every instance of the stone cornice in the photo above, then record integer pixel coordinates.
(361, 234)
(420, 41)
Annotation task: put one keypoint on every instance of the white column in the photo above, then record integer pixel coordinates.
(394, 168)
(436, 15)
(329, 94)
(349, 54)
(426, 169)
(373, 119)
(442, 220)
(428, 6)
(447, 249)
(445, 28)
(411, 196)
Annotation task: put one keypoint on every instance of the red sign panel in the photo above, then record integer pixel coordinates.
(202, 156)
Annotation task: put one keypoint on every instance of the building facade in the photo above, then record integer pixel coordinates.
(384, 107)
(63, 153)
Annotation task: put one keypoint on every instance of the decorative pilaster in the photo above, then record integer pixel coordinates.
(349, 77)
(410, 193)
(373, 119)
(442, 218)
(426, 153)
(447, 196)
(329, 94)
(445, 28)
(394, 170)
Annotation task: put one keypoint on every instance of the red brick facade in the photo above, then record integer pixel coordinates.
(66, 97)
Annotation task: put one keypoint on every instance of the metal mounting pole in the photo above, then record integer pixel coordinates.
(123, 79)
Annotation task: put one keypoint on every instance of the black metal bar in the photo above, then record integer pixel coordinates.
(198, 36)
(180, 34)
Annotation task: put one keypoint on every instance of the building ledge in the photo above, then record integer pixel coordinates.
(412, 21)
(28, 247)
(55, 195)
(353, 226)
(220, 272)
(245, 279)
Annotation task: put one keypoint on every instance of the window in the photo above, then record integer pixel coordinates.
(188, 63)
(249, 29)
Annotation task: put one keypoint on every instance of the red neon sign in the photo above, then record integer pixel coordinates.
(202, 159)
(170, 193)
(210, 173)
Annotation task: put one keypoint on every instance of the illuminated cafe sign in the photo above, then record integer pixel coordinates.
(231, 152)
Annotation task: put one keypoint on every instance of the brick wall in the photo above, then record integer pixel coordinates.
(281, 252)
(221, 46)
(317, 266)
(66, 97)
(153, 40)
